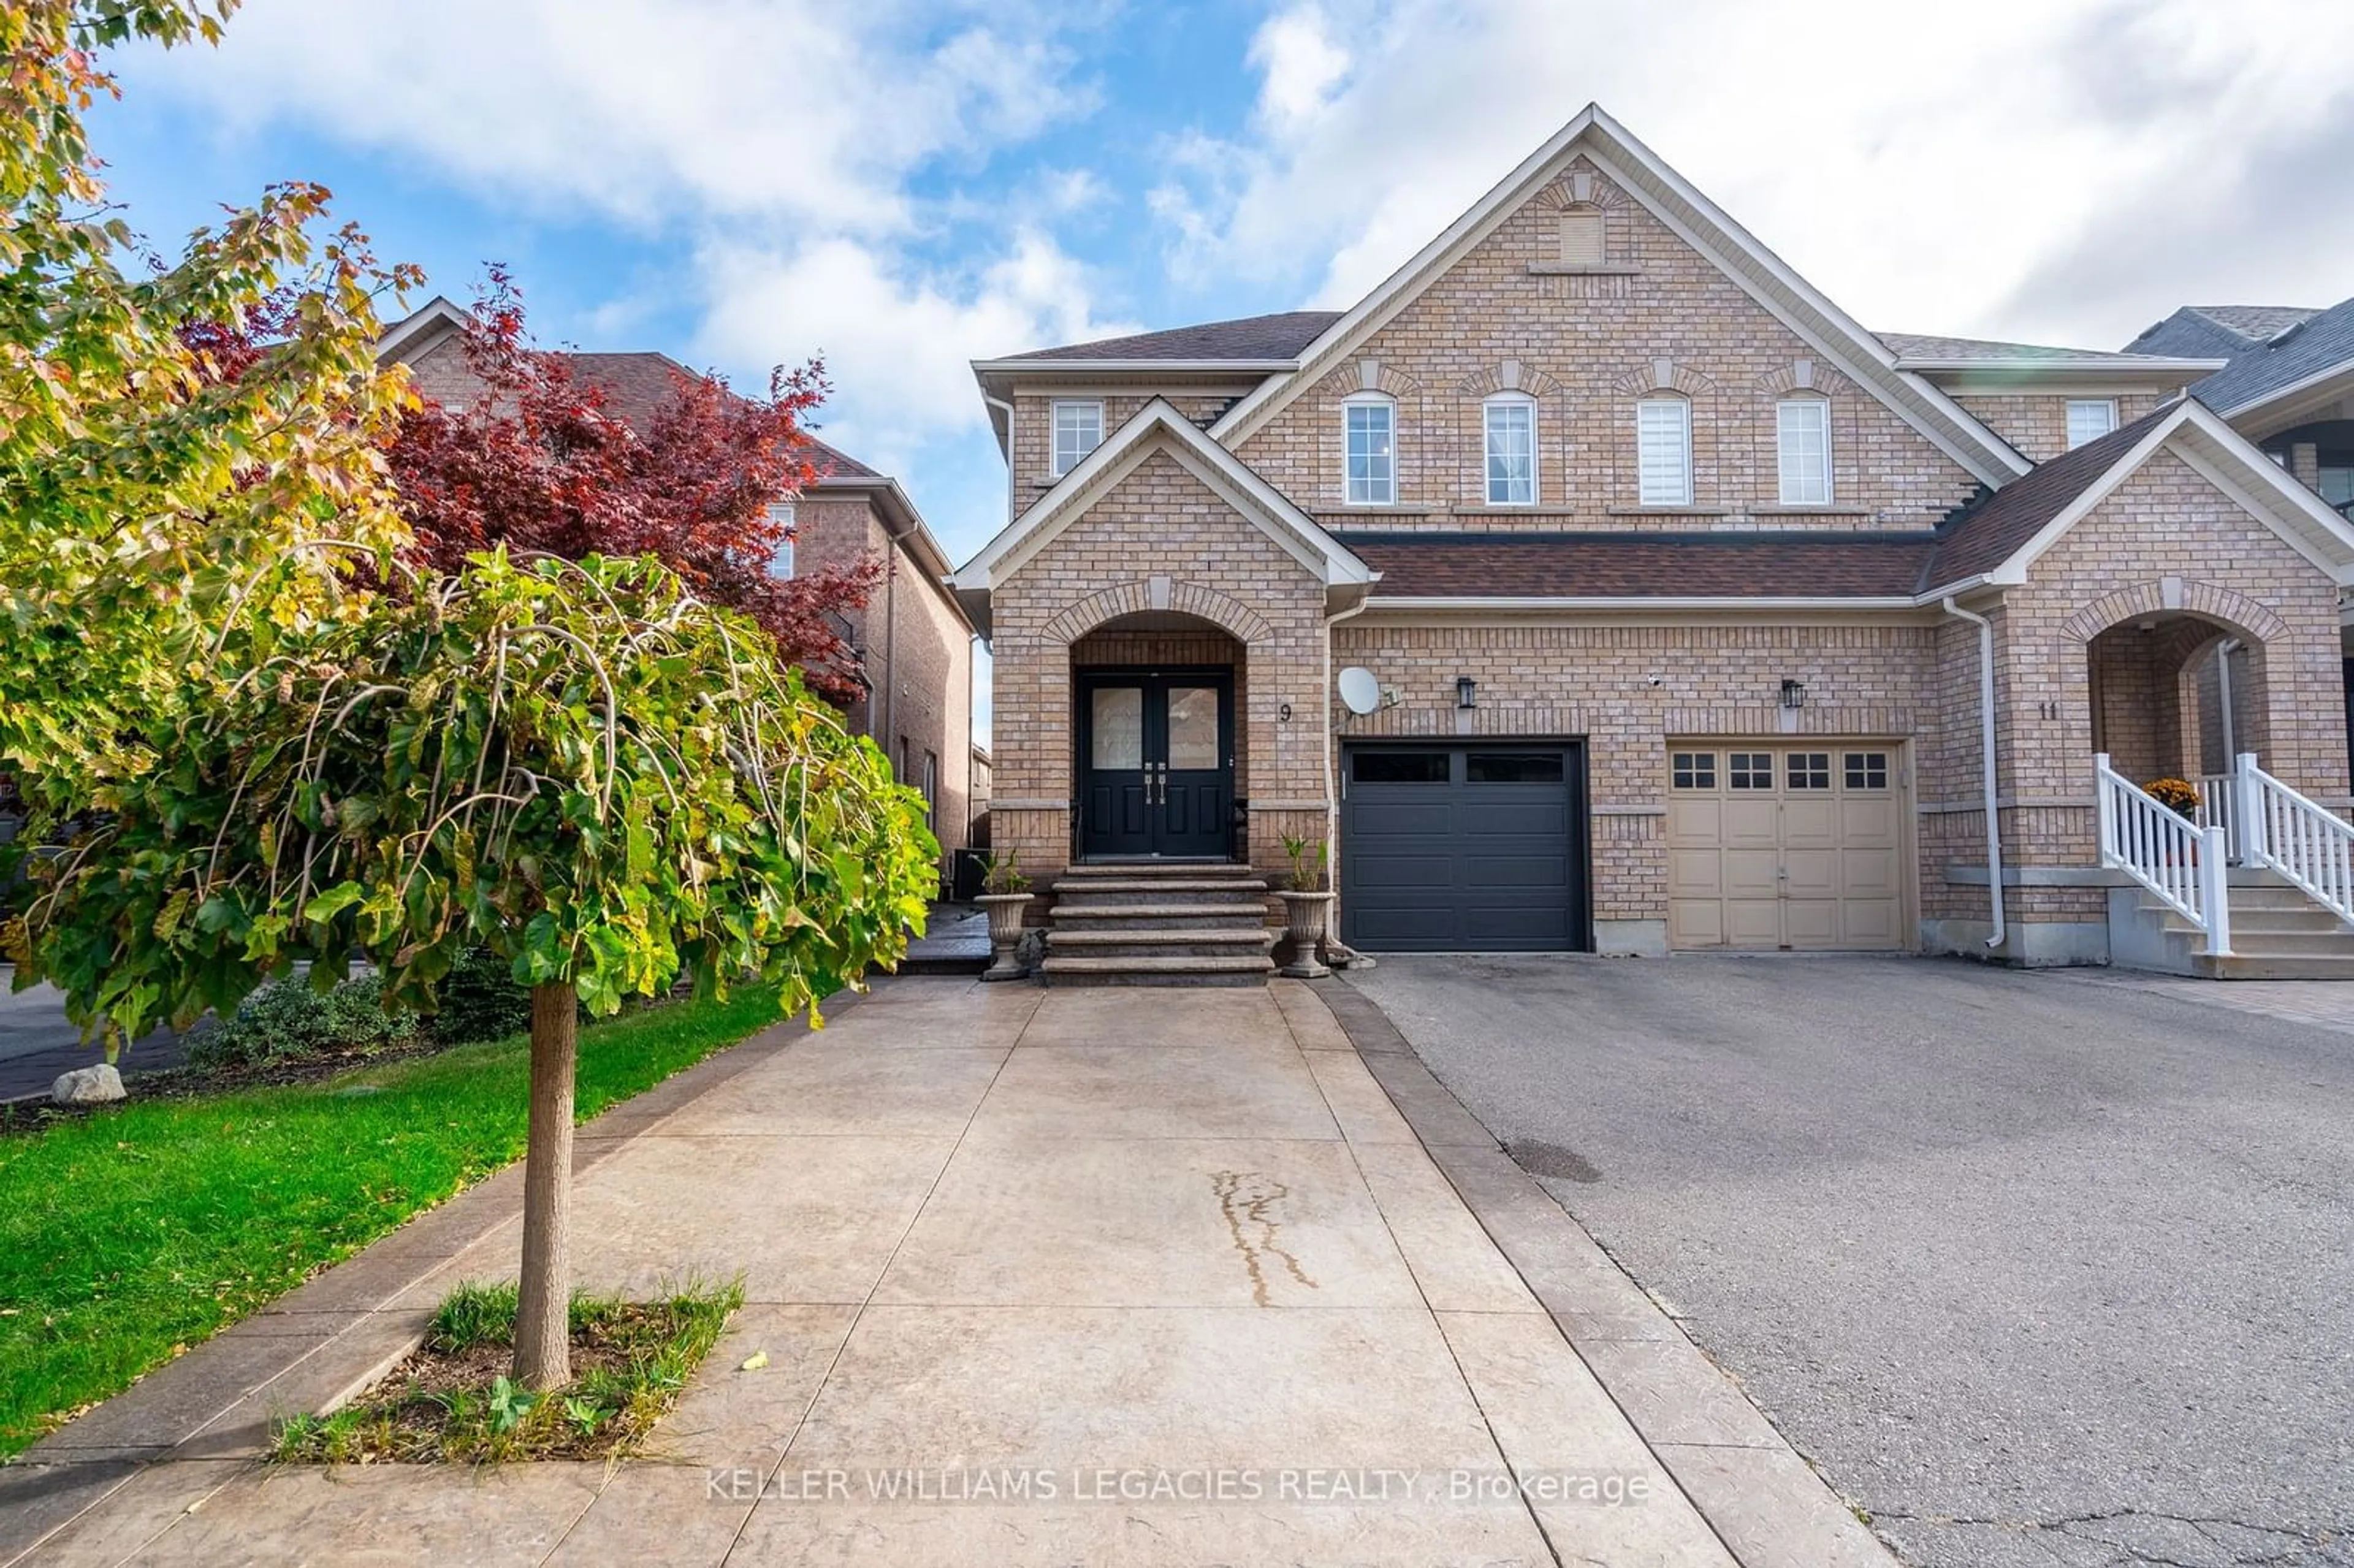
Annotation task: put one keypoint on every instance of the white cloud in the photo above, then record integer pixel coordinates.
(1928, 168)
(898, 344)
(1300, 66)
(644, 110)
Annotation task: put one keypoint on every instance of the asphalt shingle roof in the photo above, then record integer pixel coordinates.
(2321, 343)
(1280, 336)
(638, 385)
(1917, 346)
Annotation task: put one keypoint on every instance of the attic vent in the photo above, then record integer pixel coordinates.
(1581, 237)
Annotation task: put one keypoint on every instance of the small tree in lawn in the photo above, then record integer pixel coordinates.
(579, 765)
(543, 458)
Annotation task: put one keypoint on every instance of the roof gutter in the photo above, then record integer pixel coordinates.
(1636, 601)
(2152, 366)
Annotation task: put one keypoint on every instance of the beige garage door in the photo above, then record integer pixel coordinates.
(1772, 846)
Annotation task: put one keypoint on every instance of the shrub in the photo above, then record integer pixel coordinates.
(286, 1021)
(481, 1000)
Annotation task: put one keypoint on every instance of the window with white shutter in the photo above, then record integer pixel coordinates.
(2090, 419)
(1803, 431)
(1581, 237)
(1663, 451)
(1511, 422)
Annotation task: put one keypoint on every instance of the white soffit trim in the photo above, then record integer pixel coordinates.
(436, 315)
(1825, 328)
(2341, 371)
(1158, 426)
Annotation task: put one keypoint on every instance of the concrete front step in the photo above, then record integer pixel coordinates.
(2265, 965)
(1108, 889)
(1156, 916)
(1119, 870)
(1198, 970)
(2305, 921)
(1238, 941)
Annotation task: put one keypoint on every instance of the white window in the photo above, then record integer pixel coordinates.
(1511, 450)
(1371, 436)
(1663, 451)
(1803, 429)
(781, 564)
(1078, 431)
(2090, 419)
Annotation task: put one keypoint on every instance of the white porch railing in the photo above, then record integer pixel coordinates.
(2180, 862)
(2219, 806)
(2309, 844)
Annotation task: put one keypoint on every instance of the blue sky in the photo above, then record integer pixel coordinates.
(903, 187)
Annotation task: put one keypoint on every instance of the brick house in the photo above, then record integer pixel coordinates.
(913, 641)
(1675, 599)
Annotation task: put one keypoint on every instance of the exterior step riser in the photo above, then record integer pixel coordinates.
(2283, 922)
(1072, 981)
(1119, 920)
(1228, 898)
(1154, 867)
(1248, 948)
(2240, 966)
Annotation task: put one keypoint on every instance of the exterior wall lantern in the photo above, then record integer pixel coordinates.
(1794, 692)
(1466, 692)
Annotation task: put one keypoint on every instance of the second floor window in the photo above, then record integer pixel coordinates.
(1078, 431)
(780, 565)
(1512, 452)
(1803, 432)
(1370, 430)
(1663, 451)
(2090, 419)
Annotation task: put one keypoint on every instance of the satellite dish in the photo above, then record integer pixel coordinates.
(1360, 693)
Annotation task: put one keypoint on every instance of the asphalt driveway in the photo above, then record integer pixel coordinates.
(2037, 1269)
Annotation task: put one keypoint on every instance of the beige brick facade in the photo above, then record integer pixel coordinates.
(1589, 347)
(2119, 619)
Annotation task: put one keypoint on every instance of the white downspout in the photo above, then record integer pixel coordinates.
(2223, 651)
(1985, 751)
(1013, 481)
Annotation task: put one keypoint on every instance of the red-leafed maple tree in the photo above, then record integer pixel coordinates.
(542, 459)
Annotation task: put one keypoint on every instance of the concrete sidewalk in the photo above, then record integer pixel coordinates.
(1042, 1277)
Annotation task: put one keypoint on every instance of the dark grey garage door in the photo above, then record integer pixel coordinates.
(1462, 848)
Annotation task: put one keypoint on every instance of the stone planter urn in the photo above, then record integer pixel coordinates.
(1306, 914)
(1005, 913)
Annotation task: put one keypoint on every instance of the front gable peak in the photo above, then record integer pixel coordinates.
(1584, 175)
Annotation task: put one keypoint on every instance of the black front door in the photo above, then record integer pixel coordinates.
(1156, 763)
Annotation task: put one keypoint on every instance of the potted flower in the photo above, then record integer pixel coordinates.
(1306, 906)
(1007, 898)
(2177, 795)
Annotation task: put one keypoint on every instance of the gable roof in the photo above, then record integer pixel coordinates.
(1701, 224)
(1159, 426)
(2312, 350)
(1916, 350)
(1998, 539)
(1245, 340)
(2224, 329)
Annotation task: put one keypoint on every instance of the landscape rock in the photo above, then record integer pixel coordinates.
(88, 1085)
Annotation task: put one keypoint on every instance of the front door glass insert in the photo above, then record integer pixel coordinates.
(1192, 727)
(1117, 730)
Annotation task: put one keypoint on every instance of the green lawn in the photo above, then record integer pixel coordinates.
(154, 1226)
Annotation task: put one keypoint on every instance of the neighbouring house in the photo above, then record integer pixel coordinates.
(1597, 583)
(912, 639)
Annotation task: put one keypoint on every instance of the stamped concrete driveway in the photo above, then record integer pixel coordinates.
(2038, 1269)
(1040, 1278)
